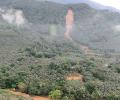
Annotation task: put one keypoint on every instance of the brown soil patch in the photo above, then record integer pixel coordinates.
(75, 76)
(20, 94)
(28, 96)
(40, 98)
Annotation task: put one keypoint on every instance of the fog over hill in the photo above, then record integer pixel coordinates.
(96, 28)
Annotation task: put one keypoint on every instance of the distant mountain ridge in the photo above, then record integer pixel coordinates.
(97, 28)
(89, 2)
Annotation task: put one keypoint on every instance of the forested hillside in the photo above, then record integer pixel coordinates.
(36, 58)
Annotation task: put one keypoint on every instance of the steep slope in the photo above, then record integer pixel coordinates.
(99, 29)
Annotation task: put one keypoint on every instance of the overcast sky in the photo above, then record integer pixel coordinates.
(112, 3)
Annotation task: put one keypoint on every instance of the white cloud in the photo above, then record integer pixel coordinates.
(112, 3)
(117, 28)
(13, 16)
(8, 16)
(19, 17)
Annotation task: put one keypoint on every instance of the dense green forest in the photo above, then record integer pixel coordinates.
(43, 68)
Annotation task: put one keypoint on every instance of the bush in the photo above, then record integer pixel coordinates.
(65, 98)
(96, 95)
(22, 87)
(118, 70)
(20, 59)
(39, 88)
(55, 95)
(90, 87)
(99, 75)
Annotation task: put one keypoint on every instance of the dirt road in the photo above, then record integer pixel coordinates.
(28, 96)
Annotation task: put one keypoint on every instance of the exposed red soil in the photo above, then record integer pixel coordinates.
(40, 98)
(28, 96)
(75, 76)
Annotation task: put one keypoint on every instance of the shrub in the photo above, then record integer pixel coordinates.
(22, 87)
(90, 87)
(65, 98)
(99, 75)
(118, 70)
(20, 59)
(55, 95)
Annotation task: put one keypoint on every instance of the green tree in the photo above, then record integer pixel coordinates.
(65, 98)
(22, 86)
(55, 95)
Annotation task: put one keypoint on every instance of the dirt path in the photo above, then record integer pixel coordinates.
(75, 76)
(28, 96)
(40, 98)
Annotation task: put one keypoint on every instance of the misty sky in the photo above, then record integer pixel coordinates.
(112, 3)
